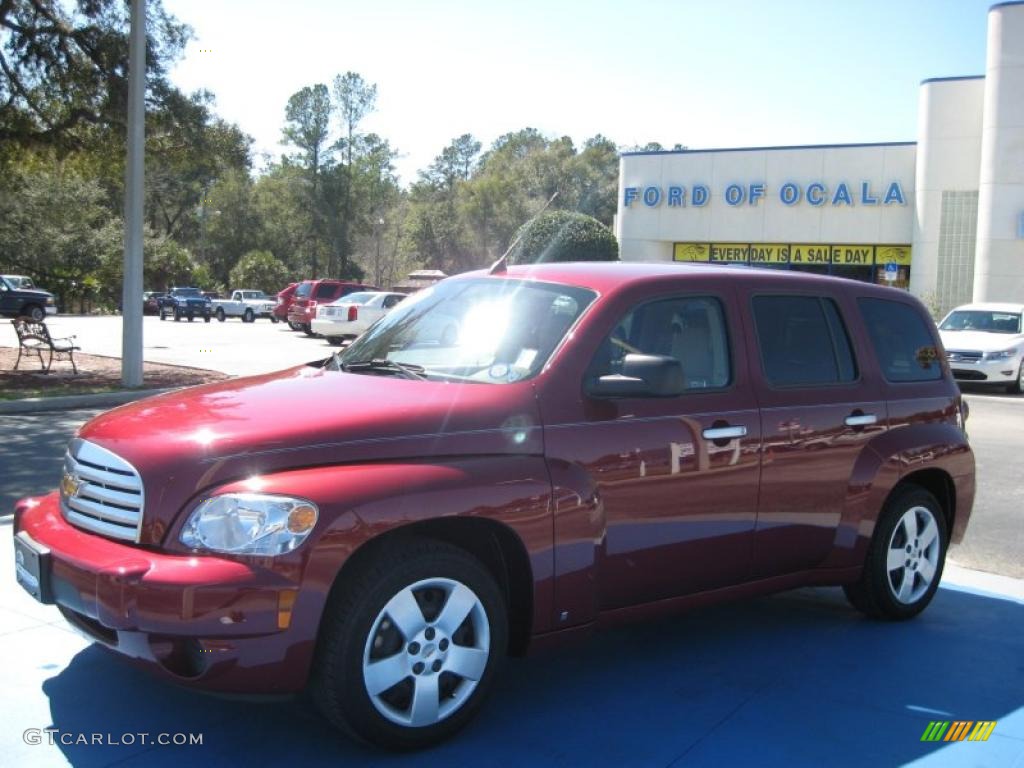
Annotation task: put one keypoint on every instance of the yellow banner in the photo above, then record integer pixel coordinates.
(892, 254)
(810, 253)
(853, 255)
(699, 252)
(730, 253)
(769, 253)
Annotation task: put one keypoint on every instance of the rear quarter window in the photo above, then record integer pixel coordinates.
(902, 340)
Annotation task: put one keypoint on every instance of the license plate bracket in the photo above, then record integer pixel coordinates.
(32, 567)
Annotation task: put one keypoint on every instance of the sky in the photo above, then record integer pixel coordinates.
(715, 73)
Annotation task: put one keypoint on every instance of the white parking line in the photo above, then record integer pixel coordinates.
(1012, 399)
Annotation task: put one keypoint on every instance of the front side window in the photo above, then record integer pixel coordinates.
(803, 341)
(303, 290)
(692, 330)
(903, 344)
(326, 291)
(486, 330)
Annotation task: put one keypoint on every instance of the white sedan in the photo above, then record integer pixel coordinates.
(985, 344)
(350, 315)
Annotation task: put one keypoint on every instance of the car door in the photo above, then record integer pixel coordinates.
(8, 302)
(674, 478)
(819, 408)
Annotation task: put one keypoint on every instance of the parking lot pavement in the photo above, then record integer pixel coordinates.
(231, 347)
(798, 679)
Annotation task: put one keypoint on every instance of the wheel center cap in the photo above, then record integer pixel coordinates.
(428, 651)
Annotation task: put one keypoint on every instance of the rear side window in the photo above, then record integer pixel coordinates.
(903, 344)
(803, 341)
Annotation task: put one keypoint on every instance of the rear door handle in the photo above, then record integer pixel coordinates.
(724, 433)
(861, 420)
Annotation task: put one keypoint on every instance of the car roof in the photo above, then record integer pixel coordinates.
(991, 306)
(611, 276)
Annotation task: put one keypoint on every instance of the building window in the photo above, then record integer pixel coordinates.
(958, 224)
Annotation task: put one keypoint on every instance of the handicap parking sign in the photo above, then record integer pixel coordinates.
(891, 272)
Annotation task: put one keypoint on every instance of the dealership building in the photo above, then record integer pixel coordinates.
(942, 216)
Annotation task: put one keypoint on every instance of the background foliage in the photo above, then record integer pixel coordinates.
(331, 206)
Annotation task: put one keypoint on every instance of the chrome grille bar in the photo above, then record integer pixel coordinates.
(108, 497)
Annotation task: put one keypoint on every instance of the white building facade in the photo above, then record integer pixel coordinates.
(942, 216)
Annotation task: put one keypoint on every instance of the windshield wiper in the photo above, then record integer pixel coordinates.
(409, 370)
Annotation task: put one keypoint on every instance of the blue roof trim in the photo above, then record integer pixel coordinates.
(955, 77)
(1007, 4)
(762, 149)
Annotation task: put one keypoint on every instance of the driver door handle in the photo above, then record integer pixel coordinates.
(724, 433)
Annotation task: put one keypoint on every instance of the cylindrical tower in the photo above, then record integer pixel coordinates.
(999, 255)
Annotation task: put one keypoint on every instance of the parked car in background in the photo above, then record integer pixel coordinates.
(185, 302)
(246, 304)
(25, 302)
(985, 344)
(309, 294)
(151, 302)
(600, 443)
(350, 315)
(284, 302)
(21, 282)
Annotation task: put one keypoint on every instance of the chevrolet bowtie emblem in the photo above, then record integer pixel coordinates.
(69, 485)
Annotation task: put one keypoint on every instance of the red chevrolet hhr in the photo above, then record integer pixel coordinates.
(595, 443)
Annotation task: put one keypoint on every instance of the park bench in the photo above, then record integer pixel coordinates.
(34, 338)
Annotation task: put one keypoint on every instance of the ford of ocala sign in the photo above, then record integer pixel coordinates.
(816, 193)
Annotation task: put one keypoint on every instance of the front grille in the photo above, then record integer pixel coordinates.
(969, 375)
(101, 492)
(963, 356)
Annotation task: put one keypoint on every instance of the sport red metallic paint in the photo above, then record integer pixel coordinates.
(579, 506)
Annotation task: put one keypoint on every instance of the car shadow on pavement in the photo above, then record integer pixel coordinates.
(795, 679)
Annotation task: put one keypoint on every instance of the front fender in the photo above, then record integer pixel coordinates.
(893, 456)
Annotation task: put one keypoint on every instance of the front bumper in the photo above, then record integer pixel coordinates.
(986, 371)
(51, 309)
(203, 620)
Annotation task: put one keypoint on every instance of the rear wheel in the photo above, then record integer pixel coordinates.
(248, 316)
(905, 558)
(273, 319)
(294, 326)
(410, 645)
(334, 341)
(177, 314)
(221, 317)
(307, 329)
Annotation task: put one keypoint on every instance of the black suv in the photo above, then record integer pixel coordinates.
(185, 302)
(25, 302)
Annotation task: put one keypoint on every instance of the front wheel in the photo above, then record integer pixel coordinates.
(1018, 386)
(410, 645)
(905, 558)
(221, 317)
(249, 316)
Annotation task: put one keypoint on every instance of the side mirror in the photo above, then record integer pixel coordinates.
(642, 376)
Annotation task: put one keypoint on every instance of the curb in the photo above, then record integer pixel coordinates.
(70, 402)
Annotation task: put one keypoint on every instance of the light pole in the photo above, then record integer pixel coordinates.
(131, 292)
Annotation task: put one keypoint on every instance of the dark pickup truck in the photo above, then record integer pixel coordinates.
(185, 302)
(25, 302)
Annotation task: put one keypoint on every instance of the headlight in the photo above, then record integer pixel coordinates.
(1006, 354)
(250, 524)
(49, 300)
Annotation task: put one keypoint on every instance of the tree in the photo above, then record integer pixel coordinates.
(355, 98)
(260, 270)
(563, 236)
(307, 126)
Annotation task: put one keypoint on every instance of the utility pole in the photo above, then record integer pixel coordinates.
(131, 293)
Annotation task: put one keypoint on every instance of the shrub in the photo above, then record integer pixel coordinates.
(564, 236)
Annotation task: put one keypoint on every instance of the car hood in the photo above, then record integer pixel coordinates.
(980, 341)
(186, 442)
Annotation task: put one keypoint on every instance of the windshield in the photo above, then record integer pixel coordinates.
(188, 292)
(487, 330)
(982, 320)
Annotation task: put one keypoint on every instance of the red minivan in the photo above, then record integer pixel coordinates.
(284, 302)
(310, 293)
(595, 443)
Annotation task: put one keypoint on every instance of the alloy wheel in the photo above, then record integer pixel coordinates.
(913, 556)
(426, 651)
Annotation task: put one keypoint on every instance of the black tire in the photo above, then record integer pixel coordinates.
(335, 341)
(34, 311)
(221, 317)
(248, 316)
(307, 329)
(177, 315)
(875, 594)
(273, 320)
(191, 317)
(1016, 388)
(355, 606)
(294, 326)
(206, 317)
(162, 315)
